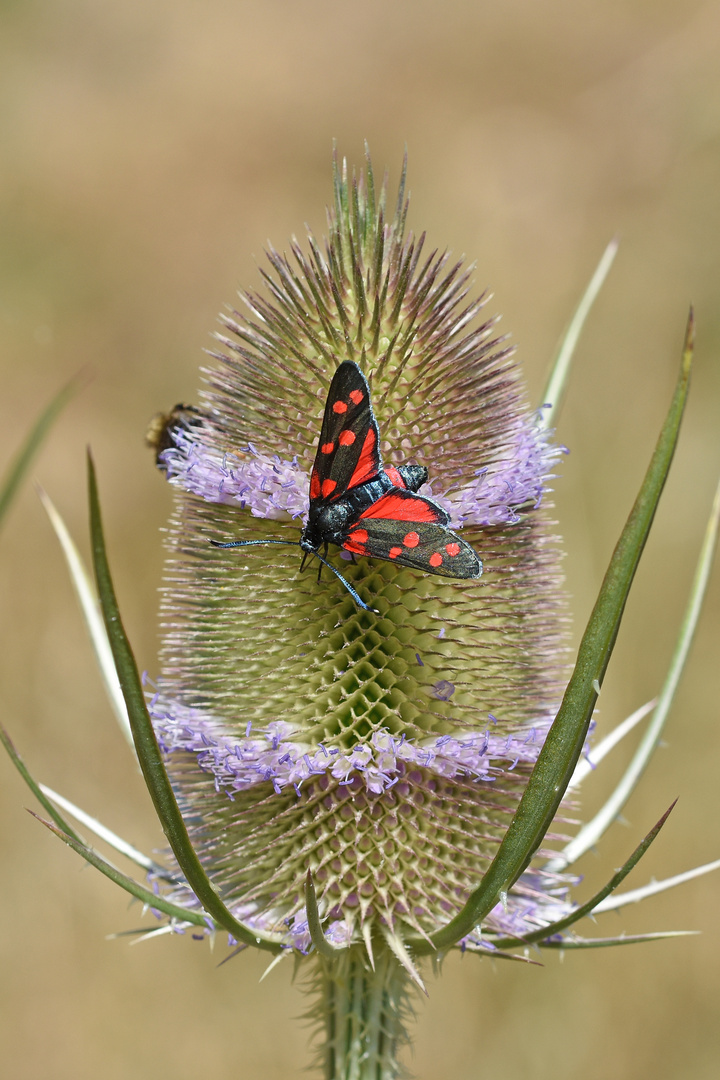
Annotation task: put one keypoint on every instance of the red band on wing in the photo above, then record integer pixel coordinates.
(367, 465)
(402, 508)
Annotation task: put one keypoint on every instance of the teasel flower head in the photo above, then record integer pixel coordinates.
(365, 773)
(383, 751)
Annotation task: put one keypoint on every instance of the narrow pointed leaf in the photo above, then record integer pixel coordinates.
(108, 835)
(367, 939)
(175, 911)
(317, 935)
(148, 751)
(559, 756)
(66, 833)
(36, 788)
(398, 948)
(159, 931)
(608, 813)
(592, 904)
(236, 952)
(20, 465)
(139, 931)
(271, 966)
(90, 606)
(636, 895)
(490, 955)
(557, 380)
(606, 943)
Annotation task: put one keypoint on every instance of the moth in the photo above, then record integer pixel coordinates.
(367, 508)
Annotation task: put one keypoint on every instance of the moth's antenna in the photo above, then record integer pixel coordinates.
(348, 586)
(294, 543)
(253, 543)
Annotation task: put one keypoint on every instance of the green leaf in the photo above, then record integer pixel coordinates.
(67, 834)
(20, 465)
(175, 911)
(563, 745)
(591, 833)
(35, 787)
(148, 752)
(111, 838)
(488, 954)
(588, 907)
(321, 943)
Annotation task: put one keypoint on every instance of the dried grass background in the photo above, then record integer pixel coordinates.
(146, 153)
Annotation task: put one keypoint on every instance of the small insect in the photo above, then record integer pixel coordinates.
(161, 429)
(365, 508)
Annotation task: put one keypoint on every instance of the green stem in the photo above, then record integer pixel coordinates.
(364, 1011)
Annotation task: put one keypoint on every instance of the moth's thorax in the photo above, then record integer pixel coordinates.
(328, 522)
(413, 476)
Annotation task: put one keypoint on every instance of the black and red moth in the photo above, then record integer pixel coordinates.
(365, 508)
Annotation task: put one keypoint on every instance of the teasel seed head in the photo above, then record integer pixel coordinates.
(384, 751)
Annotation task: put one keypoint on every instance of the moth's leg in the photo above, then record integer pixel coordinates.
(320, 566)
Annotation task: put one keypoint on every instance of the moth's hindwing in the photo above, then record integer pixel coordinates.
(406, 528)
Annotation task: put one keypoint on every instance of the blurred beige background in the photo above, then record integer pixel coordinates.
(147, 151)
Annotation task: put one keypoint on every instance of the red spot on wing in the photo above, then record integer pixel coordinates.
(339, 407)
(452, 549)
(435, 559)
(346, 438)
(411, 540)
(359, 536)
(328, 486)
(327, 447)
(367, 465)
(356, 396)
(394, 552)
(352, 545)
(314, 485)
